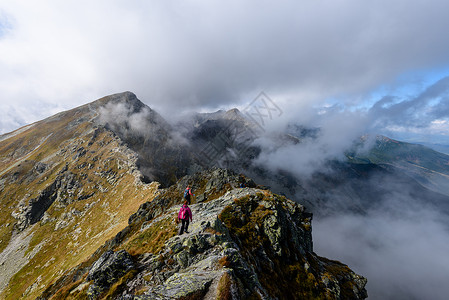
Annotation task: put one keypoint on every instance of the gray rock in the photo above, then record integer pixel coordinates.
(110, 267)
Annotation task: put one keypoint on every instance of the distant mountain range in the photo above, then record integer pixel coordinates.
(429, 167)
(99, 185)
(437, 147)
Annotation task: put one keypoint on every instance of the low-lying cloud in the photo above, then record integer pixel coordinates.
(340, 126)
(392, 231)
(123, 116)
(403, 254)
(400, 243)
(334, 132)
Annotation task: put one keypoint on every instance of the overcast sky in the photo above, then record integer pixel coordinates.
(383, 62)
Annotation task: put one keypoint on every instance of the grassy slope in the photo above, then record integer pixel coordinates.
(394, 152)
(103, 171)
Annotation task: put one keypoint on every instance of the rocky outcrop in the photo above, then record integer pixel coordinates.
(247, 243)
(107, 270)
(61, 190)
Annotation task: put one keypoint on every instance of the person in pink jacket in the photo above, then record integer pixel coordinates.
(184, 215)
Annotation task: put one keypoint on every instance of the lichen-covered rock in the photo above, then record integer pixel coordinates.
(247, 243)
(182, 285)
(107, 270)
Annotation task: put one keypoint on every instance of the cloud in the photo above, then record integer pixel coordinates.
(194, 55)
(13, 117)
(400, 243)
(10, 121)
(425, 110)
(124, 117)
(424, 115)
(400, 240)
(334, 131)
(403, 254)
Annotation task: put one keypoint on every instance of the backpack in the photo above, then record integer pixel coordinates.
(184, 214)
(186, 193)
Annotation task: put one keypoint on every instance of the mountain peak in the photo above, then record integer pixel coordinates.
(234, 114)
(127, 98)
(233, 111)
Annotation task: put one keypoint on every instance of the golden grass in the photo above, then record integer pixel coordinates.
(66, 248)
(152, 239)
(224, 287)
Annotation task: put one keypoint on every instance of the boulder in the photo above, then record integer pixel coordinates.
(109, 268)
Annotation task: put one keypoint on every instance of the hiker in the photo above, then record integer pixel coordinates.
(188, 194)
(184, 215)
(242, 181)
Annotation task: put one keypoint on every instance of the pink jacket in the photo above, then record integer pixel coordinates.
(188, 212)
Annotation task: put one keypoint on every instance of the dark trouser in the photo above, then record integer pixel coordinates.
(184, 226)
(188, 199)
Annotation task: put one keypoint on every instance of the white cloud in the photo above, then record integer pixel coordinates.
(402, 253)
(440, 127)
(193, 54)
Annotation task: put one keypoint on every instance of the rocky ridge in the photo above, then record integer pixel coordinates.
(243, 243)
